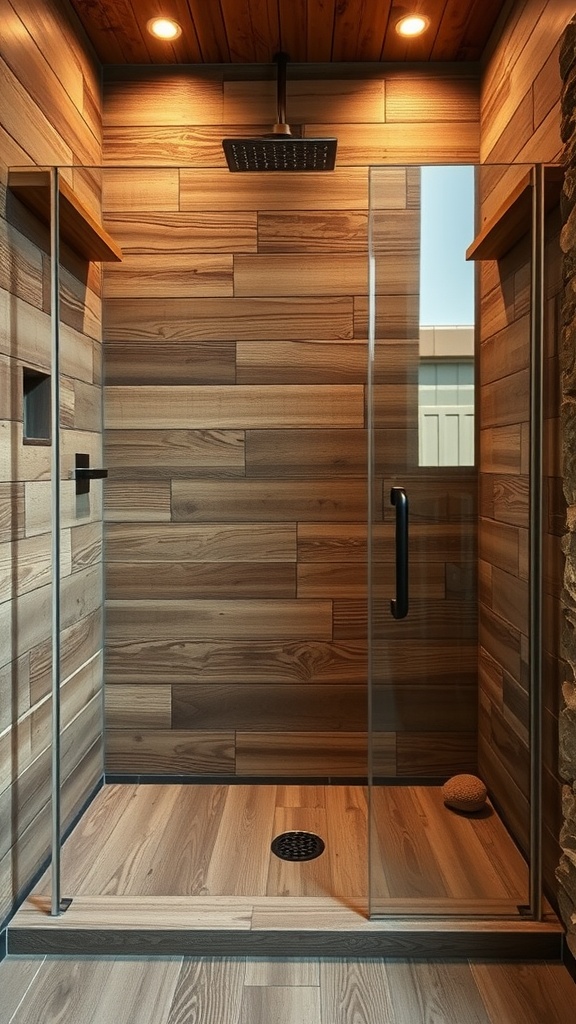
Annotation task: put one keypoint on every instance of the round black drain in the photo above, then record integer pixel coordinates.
(297, 846)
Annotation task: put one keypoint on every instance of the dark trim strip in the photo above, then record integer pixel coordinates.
(234, 780)
(425, 944)
(118, 778)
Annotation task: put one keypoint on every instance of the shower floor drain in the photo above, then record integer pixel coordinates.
(297, 846)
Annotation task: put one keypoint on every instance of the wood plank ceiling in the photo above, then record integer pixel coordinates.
(310, 31)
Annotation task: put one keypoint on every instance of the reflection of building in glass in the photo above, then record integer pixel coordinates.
(446, 396)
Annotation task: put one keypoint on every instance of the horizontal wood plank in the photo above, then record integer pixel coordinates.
(308, 100)
(444, 663)
(396, 317)
(240, 407)
(212, 231)
(140, 190)
(169, 750)
(306, 453)
(510, 499)
(435, 620)
(407, 142)
(309, 708)
(300, 362)
(272, 274)
(254, 542)
(506, 400)
(130, 581)
(184, 662)
(230, 319)
(129, 706)
(79, 642)
(501, 449)
(228, 620)
(81, 595)
(431, 753)
(331, 579)
(505, 352)
(186, 275)
(259, 501)
(214, 189)
(196, 146)
(425, 708)
(161, 454)
(416, 97)
(304, 754)
(314, 231)
(130, 500)
(178, 362)
(326, 542)
(176, 99)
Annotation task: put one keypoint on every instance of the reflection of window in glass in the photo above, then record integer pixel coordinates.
(446, 379)
(446, 413)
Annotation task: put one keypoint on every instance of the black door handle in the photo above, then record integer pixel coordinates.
(399, 606)
(83, 473)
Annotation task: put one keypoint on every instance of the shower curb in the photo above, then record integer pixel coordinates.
(271, 927)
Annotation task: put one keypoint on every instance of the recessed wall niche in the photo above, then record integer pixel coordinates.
(36, 406)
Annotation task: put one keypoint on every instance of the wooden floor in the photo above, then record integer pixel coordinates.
(165, 840)
(244, 991)
(187, 870)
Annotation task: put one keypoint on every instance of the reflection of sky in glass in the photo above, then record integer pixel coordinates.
(447, 225)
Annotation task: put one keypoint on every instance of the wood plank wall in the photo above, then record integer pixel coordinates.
(235, 352)
(520, 122)
(49, 113)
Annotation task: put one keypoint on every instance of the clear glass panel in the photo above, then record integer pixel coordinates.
(59, 372)
(431, 716)
(427, 681)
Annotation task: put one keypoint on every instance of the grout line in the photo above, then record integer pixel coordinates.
(30, 983)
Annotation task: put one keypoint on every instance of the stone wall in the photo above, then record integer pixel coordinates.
(566, 872)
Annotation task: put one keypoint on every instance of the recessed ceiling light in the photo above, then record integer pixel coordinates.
(164, 28)
(412, 25)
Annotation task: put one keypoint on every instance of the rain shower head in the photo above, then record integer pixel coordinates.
(280, 151)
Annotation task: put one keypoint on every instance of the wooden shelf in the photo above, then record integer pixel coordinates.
(78, 228)
(514, 217)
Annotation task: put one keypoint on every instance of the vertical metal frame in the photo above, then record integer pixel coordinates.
(536, 518)
(370, 515)
(55, 909)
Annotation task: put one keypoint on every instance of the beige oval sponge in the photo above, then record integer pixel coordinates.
(464, 793)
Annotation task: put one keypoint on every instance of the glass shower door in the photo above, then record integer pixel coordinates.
(426, 858)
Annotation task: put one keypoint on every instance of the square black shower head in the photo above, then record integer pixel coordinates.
(280, 153)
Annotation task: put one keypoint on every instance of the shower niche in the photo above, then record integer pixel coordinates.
(36, 406)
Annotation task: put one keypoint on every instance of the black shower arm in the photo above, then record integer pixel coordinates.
(282, 62)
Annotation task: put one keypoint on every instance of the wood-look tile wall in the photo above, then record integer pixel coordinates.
(235, 352)
(49, 114)
(520, 122)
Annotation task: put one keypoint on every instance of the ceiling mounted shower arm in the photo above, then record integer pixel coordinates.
(280, 150)
(281, 127)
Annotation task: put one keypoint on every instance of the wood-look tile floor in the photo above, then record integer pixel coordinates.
(212, 840)
(244, 991)
(151, 867)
